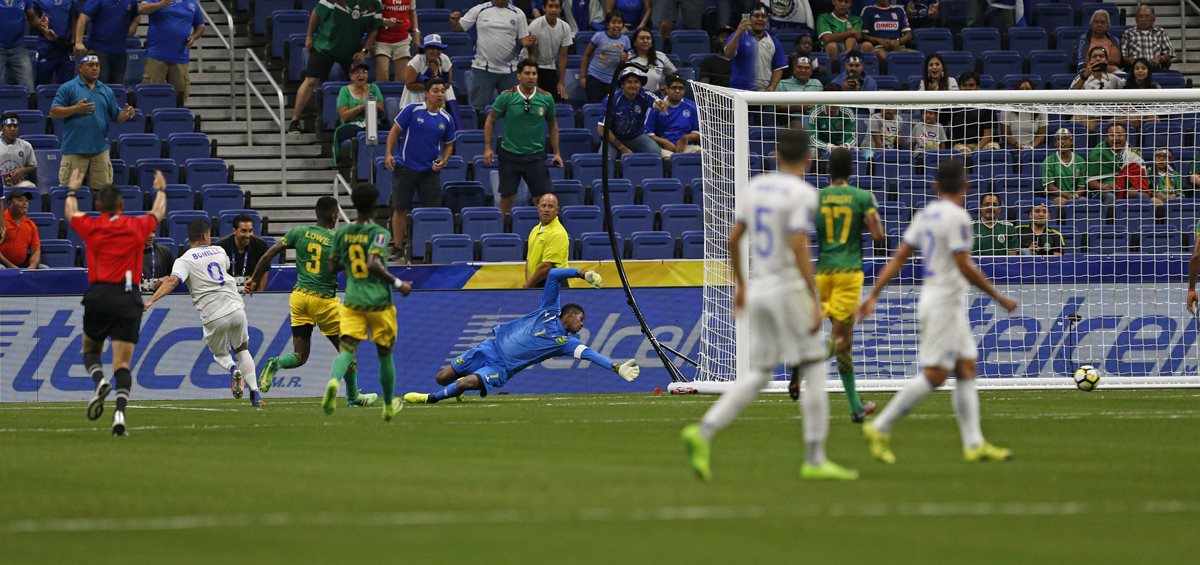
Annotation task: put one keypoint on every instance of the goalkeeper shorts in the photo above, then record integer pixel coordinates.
(482, 360)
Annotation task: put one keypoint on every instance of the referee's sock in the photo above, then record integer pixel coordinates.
(91, 362)
(124, 383)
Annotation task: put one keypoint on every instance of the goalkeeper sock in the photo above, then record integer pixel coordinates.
(387, 377)
(726, 408)
(815, 403)
(913, 392)
(450, 391)
(965, 400)
(845, 367)
(340, 365)
(245, 362)
(288, 361)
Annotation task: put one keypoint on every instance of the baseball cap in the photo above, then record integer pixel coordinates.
(433, 40)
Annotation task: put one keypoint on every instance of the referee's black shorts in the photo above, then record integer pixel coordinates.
(111, 312)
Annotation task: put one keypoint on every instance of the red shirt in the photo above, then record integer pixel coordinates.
(114, 245)
(396, 10)
(19, 239)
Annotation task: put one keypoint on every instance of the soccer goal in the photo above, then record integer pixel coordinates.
(1100, 268)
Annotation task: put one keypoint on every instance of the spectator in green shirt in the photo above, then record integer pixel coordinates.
(528, 114)
(335, 35)
(994, 236)
(1165, 182)
(352, 106)
(833, 126)
(1064, 173)
(841, 32)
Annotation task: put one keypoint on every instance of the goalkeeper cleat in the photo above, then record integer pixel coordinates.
(95, 406)
(268, 374)
(878, 443)
(329, 401)
(986, 452)
(416, 398)
(390, 409)
(236, 384)
(827, 471)
(363, 399)
(697, 448)
(860, 417)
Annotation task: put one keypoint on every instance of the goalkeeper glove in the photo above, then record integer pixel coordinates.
(629, 370)
(593, 278)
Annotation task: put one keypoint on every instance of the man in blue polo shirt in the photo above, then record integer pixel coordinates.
(628, 132)
(55, 44)
(112, 22)
(85, 107)
(15, 66)
(674, 124)
(756, 58)
(428, 131)
(174, 26)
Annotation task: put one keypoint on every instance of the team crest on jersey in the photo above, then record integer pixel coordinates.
(355, 14)
(441, 126)
(420, 120)
(783, 8)
(687, 113)
(561, 339)
(1001, 238)
(541, 111)
(637, 109)
(380, 239)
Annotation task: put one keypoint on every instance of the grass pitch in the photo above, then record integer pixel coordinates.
(1107, 477)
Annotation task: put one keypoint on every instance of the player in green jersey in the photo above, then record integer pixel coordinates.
(367, 308)
(842, 214)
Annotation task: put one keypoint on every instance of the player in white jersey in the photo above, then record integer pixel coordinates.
(205, 267)
(781, 308)
(942, 232)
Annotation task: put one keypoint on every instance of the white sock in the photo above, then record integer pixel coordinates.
(726, 408)
(225, 361)
(965, 400)
(246, 364)
(913, 392)
(815, 403)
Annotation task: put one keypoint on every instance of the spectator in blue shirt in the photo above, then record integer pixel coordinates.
(628, 132)
(428, 132)
(757, 58)
(15, 66)
(674, 124)
(854, 65)
(112, 22)
(886, 27)
(175, 25)
(85, 107)
(55, 44)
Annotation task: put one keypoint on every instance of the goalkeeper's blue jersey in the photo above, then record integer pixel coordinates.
(539, 335)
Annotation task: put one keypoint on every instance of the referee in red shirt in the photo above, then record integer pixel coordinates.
(112, 307)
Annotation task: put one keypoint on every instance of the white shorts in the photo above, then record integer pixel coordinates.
(779, 318)
(945, 337)
(394, 51)
(227, 332)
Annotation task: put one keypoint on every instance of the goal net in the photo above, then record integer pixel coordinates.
(1085, 210)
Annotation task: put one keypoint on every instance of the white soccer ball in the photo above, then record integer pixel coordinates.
(1086, 378)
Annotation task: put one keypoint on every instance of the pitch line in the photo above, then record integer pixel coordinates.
(590, 515)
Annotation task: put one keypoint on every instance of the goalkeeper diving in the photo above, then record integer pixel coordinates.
(546, 332)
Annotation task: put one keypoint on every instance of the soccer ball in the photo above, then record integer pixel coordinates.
(1086, 378)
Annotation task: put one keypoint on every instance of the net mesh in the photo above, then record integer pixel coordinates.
(1096, 215)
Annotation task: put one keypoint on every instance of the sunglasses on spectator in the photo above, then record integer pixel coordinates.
(527, 106)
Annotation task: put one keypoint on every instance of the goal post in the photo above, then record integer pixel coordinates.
(1099, 268)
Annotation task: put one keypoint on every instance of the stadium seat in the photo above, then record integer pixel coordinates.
(620, 190)
(134, 198)
(1025, 40)
(1160, 240)
(1170, 79)
(1067, 38)
(1084, 12)
(890, 164)
(42, 141)
(660, 192)
(13, 97)
(692, 245)
(572, 141)
(991, 163)
(464, 194)
(205, 171)
(478, 220)
(652, 245)
(32, 122)
(1001, 63)
(932, 40)
(469, 144)
(328, 97)
(629, 218)
(564, 116)
(1135, 215)
(469, 117)
(178, 220)
(586, 167)
(1081, 214)
(151, 97)
(685, 166)
(1107, 240)
(595, 246)
(570, 192)
(1053, 16)
(680, 218)
(285, 23)
(295, 57)
(977, 40)
(497, 247)
(592, 115)
(166, 121)
(579, 219)
(427, 222)
(638, 167)
(58, 253)
(216, 198)
(145, 172)
(179, 197)
(905, 64)
(265, 9)
(47, 224)
(689, 42)
(136, 124)
(225, 219)
(434, 20)
(576, 94)
(458, 44)
(523, 219)
(449, 248)
(893, 216)
(58, 196)
(184, 146)
(958, 62)
(135, 147)
(1047, 63)
(454, 170)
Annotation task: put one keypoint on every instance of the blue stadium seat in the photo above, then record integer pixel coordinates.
(652, 245)
(136, 124)
(564, 116)
(689, 42)
(579, 219)
(1135, 215)
(135, 147)
(285, 23)
(1160, 239)
(887, 82)
(205, 171)
(469, 143)
(1046, 63)
(464, 194)
(1182, 213)
(216, 198)
(685, 166)
(1025, 40)
(638, 167)
(47, 224)
(44, 94)
(295, 57)
(570, 192)
(42, 141)
(135, 66)
(427, 222)
(592, 114)
(179, 197)
(977, 40)
(894, 216)
(572, 141)
(58, 253)
(1053, 16)
(586, 167)
(455, 169)
(166, 121)
(434, 20)
(145, 172)
(576, 93)
(692, 243)
(151, 97)
(660, 192)
(1084, 11)
(458, 44)
(680, 218)
(1163, 133)
(32, 122)
(991, 163)
(905, 64)
(497, 247)
(932, 40)
(483, 175)
(329, 95)
(1170, 79)
(265, 9)
(58, 195)
(13, 97)
(225, 221)
(595, 246)
(629, 218)
(178, 220)
(523, 220)
(449, 248)
(958, 62)
(890, 164)
(1107, 240)
(620, 190)
(184, 146)
(478, 220)
(1083, 214)
(1067, 38)
(1001, 63)
(469, 117)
